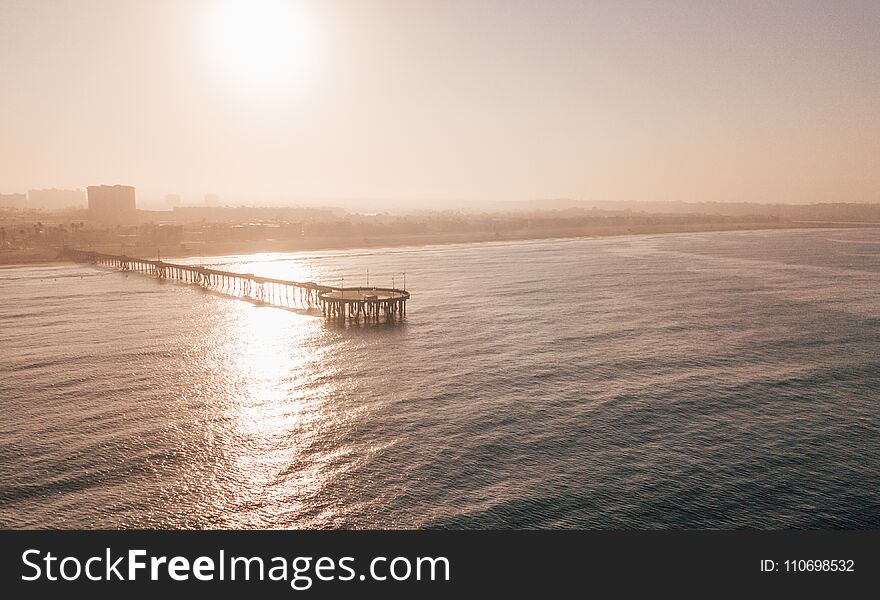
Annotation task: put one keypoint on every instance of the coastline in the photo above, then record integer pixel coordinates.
(51, 255)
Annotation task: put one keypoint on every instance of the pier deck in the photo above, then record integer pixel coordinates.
(335, 302)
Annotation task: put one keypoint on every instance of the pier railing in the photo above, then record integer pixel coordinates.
(335, 302)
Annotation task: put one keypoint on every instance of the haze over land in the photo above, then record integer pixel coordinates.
(394, 104)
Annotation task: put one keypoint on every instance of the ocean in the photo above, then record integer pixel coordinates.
(712, 380)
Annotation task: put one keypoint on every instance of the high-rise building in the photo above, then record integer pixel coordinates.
(55, 199)
(212, 199)
(172, 200)
(13, 200)
(112, 203)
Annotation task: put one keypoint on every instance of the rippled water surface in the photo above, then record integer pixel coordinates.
(704, 380)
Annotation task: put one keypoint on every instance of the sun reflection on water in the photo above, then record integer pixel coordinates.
(279, 427)
(276, 265)
(274, 356)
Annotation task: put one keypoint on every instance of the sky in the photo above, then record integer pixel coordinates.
(432, 103)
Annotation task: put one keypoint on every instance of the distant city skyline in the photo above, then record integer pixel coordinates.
(437, 104)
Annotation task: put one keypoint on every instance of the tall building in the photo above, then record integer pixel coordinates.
(13, 200)
(212, 199)
(172, 200)
(56, 199)
(112, 203)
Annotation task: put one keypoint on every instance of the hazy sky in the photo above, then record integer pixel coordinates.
(444, 99)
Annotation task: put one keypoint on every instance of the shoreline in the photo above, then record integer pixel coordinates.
(51, 256)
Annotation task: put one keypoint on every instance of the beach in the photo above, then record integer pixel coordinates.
(46, 255)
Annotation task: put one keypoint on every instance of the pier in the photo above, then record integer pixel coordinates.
(334, 302)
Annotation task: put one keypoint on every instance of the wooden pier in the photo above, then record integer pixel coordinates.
(334, 302)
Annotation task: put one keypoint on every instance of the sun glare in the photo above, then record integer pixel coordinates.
(262, 41)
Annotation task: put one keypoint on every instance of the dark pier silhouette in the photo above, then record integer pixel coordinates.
(334, 302)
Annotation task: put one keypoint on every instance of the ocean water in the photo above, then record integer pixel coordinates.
(718, 380)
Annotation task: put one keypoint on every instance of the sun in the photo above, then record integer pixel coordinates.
(262, 41)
